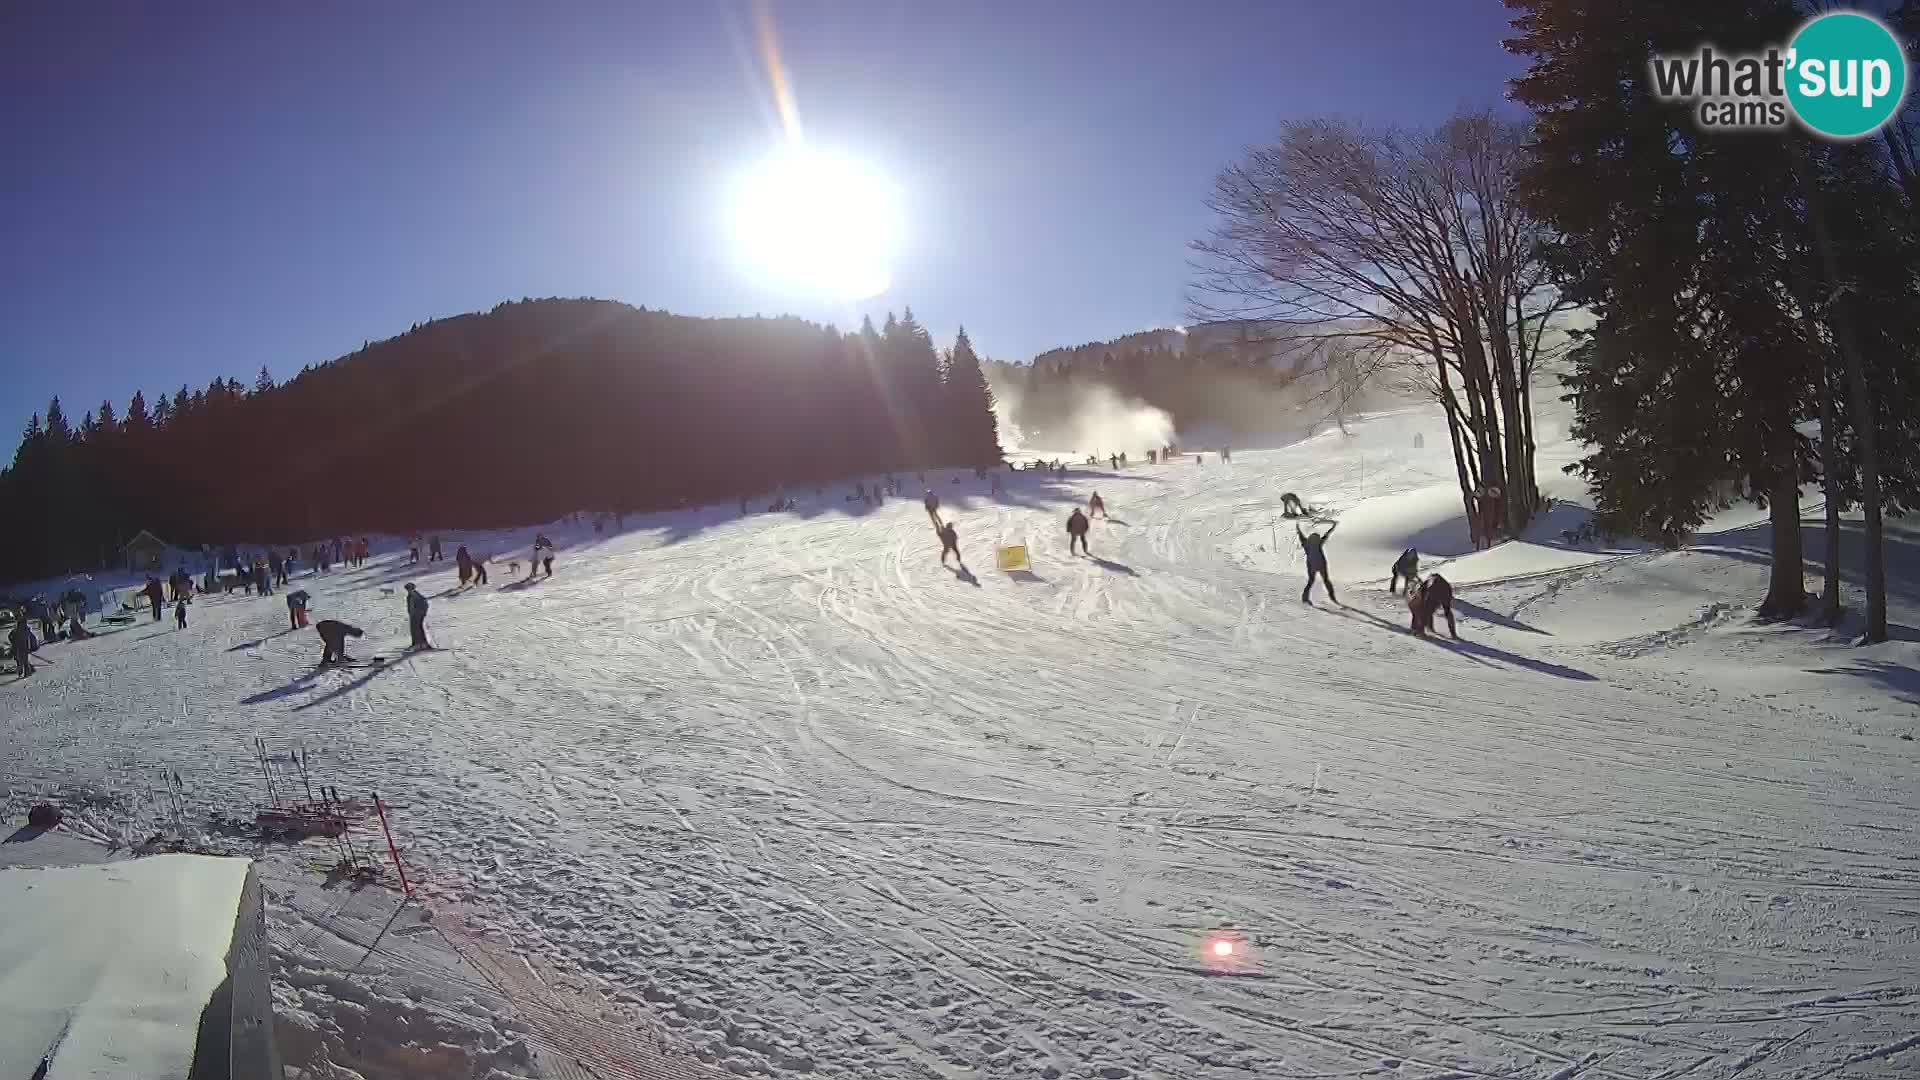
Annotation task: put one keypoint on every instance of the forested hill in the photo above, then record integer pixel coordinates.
(509, 417)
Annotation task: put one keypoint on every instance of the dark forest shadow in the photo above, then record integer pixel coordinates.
(1118, 568)
(350, 686)
(1899, 679)
(1542, 666)
(966, 575)
(1754, 544)
(959, 493)
(1465, 608)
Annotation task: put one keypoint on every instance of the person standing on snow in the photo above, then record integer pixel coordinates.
(413, 550)
(1406, 567)
(297, 609)
(464, 563)
(480, 570)
(417, 618)
(1077, 532)
(932, 503)
(21, 642)
(333, 638)
(542, 556)
(180, 614)
(434, 554)
(1315, 545)
(153, 596)
(1096, 505)
(950, 541)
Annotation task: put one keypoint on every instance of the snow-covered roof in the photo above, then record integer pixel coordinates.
(108, 968)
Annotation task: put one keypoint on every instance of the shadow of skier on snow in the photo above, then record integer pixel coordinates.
(301, 683)
(1495, 618)
(1474, 648)
(259, 641)
(1114, 567)
(965, 575)
(349, 686)
(521, 583)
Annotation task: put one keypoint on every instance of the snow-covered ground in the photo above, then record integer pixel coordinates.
(789, 789)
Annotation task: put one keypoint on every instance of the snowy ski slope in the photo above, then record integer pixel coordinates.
(822, 806)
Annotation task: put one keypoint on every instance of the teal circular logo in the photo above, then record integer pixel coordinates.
(1846, 75)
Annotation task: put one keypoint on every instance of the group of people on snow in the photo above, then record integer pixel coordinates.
(1426, 596)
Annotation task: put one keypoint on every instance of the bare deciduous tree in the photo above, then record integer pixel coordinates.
(1401, 261)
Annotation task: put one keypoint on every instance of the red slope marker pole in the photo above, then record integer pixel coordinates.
(391, 850)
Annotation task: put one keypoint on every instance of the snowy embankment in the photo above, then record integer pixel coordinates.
(790, 792)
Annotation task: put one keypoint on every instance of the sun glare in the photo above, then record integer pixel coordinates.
(818, 221)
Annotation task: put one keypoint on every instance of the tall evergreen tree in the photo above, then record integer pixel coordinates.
(1673, 239)
(139, 423)
(969, 416)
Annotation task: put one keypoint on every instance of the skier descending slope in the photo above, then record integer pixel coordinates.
(1316, 548)
(932, 503)
(1077, 532)
(950, 542)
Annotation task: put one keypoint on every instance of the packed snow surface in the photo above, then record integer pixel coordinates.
(818, 804)
(108, 967)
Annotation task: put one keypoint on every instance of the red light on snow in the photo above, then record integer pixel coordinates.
(1226, 952)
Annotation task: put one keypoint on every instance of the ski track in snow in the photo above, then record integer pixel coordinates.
(818, 804)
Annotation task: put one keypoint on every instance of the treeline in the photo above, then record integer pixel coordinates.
(1233, 392)
(1749, 287)
(518, 415)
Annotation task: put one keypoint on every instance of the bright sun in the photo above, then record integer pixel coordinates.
(820, 222)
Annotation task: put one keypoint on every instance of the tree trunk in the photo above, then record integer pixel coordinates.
(1786, 589)
(1831, 606)
(1865, 422)
(1462, 467)
(1830, 479)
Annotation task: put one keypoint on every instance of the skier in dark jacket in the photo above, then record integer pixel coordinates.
(334, 635)
(950, 541)
(1405, 568)
(180, 613)
(154, 596)
(21, 642)
(464, 562)
(1316, 548)
(417, 617)
(1077, 532)
(1434, 594)
(297, 608)
(932, 503)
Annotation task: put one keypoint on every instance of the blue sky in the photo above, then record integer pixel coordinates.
(197, 190)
